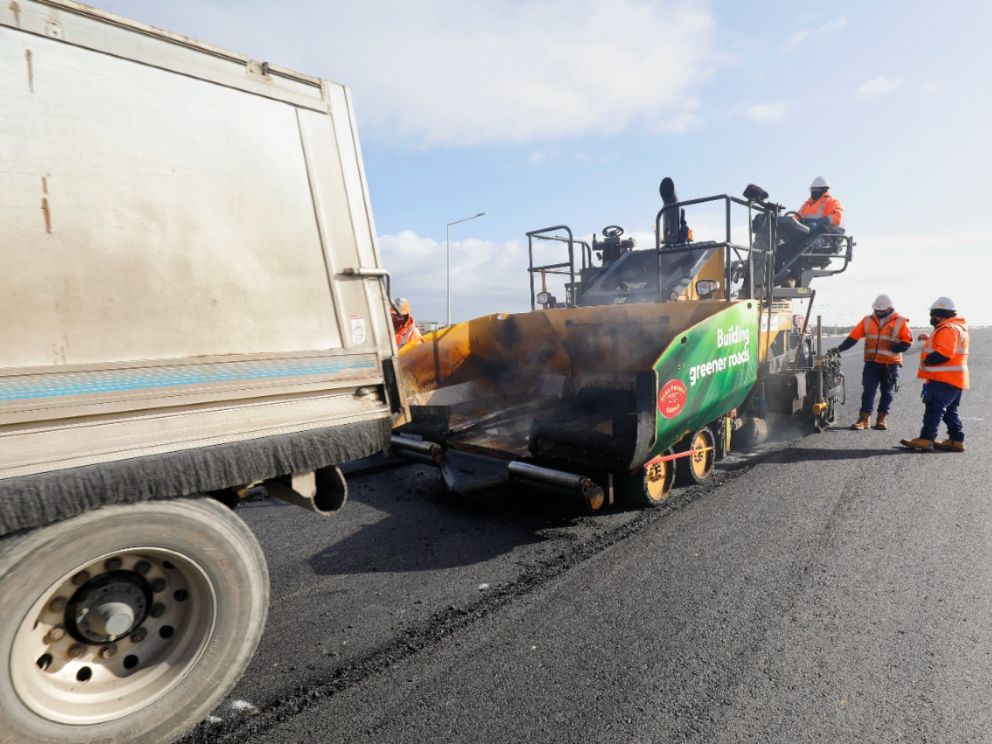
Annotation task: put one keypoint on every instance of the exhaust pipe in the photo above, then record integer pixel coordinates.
(534, 475)
(672, 218)
(323, 491)
(418, 450)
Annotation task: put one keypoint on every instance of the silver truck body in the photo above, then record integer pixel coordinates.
(176, 227)
(192, 312)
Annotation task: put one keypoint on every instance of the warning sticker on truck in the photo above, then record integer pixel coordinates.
(358, 333)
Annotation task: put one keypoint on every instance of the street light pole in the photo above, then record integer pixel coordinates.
(447, 258)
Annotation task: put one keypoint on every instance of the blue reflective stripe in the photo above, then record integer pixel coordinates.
(56, 385)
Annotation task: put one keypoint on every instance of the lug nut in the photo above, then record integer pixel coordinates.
(112, 564)
(108, 651)
(138, 635)
(158, 585)
(81, 578)
(142, 567)
(75, 651)
(57, 604)
(55, 634)
(157, 610)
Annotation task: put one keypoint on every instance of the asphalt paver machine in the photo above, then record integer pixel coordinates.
(647, 369)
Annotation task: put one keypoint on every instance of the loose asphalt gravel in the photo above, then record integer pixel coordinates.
(833, 588)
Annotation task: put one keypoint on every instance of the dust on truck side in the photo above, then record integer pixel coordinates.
(191, 305)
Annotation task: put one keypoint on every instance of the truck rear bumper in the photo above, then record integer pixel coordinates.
(34, 500)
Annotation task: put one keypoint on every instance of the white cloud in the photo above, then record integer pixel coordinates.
(542, 156)
(438, 73)
(773, 111)
(929, 87)
(878, 86)
(519, 72)
(685, 118)
(486, 276)
(838, 24)
(847, 297)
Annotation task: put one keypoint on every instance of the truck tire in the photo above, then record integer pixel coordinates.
(696, 467)
(127, 623)
(648, 486)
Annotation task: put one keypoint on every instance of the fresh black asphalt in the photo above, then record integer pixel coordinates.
(834, 588)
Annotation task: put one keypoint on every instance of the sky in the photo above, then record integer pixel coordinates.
(550, 112)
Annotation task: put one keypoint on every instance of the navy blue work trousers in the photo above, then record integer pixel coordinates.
(941, 401)
(874, 376)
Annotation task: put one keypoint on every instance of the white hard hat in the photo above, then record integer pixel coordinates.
(882, 302)
(943, 303)
(820, 183)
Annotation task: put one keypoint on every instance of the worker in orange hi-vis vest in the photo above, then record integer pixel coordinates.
(886, 335)
(944, 369)
(821, 205)
(821, 213)
(403, 325)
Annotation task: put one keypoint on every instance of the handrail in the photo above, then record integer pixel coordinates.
(847, 255)
(586, 252)
(727, 245)
(571, 258)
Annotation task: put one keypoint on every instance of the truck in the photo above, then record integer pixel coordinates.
(193, 309)
(644, 368)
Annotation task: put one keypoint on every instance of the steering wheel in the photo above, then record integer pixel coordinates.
(612, 231)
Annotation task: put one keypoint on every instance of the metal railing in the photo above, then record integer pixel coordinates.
(732, 251)
(735, 255)
(845, 254)
(547, 233)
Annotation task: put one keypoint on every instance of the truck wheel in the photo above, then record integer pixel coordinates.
(647, 486)
(127, 623)
(696, 467)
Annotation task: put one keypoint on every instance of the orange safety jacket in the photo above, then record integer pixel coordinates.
(406, 331)
(880, 338)
(825, 206)
(949, 338)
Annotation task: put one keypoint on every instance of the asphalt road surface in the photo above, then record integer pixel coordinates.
(834, 588)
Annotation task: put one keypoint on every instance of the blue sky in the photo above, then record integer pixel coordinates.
(554, 112)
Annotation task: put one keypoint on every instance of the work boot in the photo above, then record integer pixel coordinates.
(882, 421)
(918, 444)
(863, 422)
(949, 445)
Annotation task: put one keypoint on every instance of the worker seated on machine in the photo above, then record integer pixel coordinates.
(822, 210)
(821, 215)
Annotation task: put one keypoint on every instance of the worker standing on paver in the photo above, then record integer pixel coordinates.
(944, 369)
(886, 335)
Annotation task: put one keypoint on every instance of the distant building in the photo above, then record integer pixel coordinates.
(427, 326)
